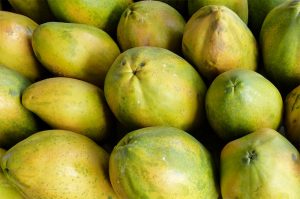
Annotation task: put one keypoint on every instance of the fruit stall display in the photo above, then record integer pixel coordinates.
(170, 99)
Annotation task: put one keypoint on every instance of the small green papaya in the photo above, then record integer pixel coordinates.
(103, 14)
(15, 49)
(70, 104)
(240, 7)
(38, 10)
(280, 44)
(16, 122)
(75, 50)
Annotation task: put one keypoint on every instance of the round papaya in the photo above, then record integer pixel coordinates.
(162, 162)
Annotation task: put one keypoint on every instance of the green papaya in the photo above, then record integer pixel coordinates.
(16, 122)
(58, 164)
(15, 49)
(162, 162)
(37, 10)
(75, 50)
(151, 23)
(240, 7)
(258, 10)
(70, 104)
(260, 165)
(216, 40)
(103, 14)
(280, 45)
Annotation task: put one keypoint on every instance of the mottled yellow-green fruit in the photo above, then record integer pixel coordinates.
(162, 162)
(241, 101)
(150, 86)
(103, 14)
(216, 40)
(258, 10)
(260, 165)
(58, 164)
(15, 49)
(292, 115)
(280, 44)
(69, 104)
(38, 10)
(151, 23)
(16, 122)
(180, 5)
(240, 7)
(7, 191)
(75, 50)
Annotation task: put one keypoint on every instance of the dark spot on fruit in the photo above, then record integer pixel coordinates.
(249, 157)
(123, 62)
(294, 121)
(6, 170)
(142, 64)
(296, 102)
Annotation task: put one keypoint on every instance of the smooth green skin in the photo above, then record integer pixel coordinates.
(280, 44)
(161, 162)
(241, 101)
(151, 23)
(38, 10)
(75, 50)
(261, 165)
(240, 7)
(15, 49)
(258, 10)
(58, 164)
(149, 86)
(7, 191)
(69, 104)
(216, 40)
(103, 14)
(292, 115)
(16, 122)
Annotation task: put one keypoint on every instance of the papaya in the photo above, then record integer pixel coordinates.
(15, 49)
(292, 115)
(70, 104)
(75, 50)
(258, 10)
(6, 189)
(151, 23)
(240, 7)
(103, 14)
(150, 86)
(262, 165)
(280, 44)
(58, 164)
(241, 101)
(216, 40)
(162, 162)
(37, 10)
(16, 122)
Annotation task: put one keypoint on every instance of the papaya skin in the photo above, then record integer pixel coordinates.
(152, 162)
(70, 104)
(150, 86)
(58, 164)
(75, 50)
(216, 40)
(280, 45)
(16, 122)
(292, 115)
(240, 7)
(103, 14)
(37, 10)
(151, 23)
(262, 164)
